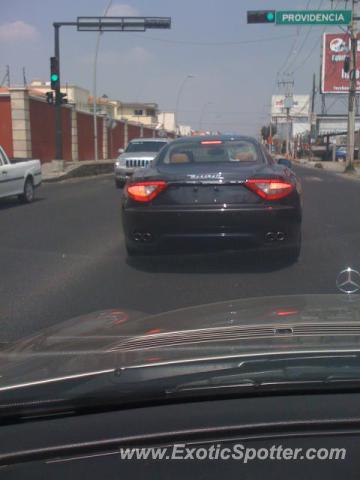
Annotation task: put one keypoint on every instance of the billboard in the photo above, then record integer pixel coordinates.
(336, 47)
(300, 106)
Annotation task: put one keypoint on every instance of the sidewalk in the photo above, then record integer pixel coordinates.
(335, 167)
(51, 172)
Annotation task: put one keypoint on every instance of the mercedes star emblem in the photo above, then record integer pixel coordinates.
(348, 281)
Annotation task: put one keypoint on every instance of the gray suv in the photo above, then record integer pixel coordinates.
(139, 153)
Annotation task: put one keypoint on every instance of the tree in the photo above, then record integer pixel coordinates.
(265, 131)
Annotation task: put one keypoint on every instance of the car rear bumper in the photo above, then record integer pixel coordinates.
(231, 228)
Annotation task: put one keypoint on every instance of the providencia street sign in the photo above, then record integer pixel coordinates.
(313, 17)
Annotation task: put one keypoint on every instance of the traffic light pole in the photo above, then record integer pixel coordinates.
(96, 24)
(58, 120)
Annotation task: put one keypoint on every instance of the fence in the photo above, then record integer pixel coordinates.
(27, 130)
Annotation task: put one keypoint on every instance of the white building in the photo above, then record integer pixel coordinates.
(75, 94)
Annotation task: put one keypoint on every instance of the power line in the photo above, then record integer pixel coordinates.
(313, 49)
(215, 44)
(292, 49)
(304, 41)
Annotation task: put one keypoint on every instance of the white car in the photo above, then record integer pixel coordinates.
(139, 153)
(19, 178)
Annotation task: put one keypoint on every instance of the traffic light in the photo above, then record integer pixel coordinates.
(50, 97)
(60, 98)
(261, 16)
(54, 73)
(347, 65)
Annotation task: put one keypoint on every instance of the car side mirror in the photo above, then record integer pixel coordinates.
(121, 150)
(285, 162)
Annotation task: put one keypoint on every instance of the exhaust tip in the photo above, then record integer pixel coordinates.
(147, 237)
(270, 237)
(137, 236)
(280, 236)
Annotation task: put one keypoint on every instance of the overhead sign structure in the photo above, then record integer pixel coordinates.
(313, 17)
(335, 50)
(121, 24)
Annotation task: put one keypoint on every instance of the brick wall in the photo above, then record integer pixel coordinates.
(134, 131)
(116, 139)
(85, 127)
(42, 121)
(6, 138)
(27, 126)
(148, 132)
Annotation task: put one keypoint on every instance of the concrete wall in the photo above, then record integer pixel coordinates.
(20, 117)
(6, 138)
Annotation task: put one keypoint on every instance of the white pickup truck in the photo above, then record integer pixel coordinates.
(19, 178)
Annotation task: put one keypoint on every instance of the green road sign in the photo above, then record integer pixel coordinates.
(313, 17)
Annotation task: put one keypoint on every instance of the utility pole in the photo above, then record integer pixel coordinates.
(312, 133)
(96, 154)
(24, 77)
(288, 103)
(8, 75)
(350, 147)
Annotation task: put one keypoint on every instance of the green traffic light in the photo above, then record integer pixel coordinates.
(54, 77)
(270, 17)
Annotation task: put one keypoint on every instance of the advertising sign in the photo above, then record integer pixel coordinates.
(336, 47)
(300, 106)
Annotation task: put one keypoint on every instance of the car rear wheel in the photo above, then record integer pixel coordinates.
(29, 192)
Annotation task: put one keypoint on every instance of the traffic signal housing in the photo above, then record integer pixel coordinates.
(50, 97)
(60, 98)
(347, 65)
(261, 16)
(54, 73)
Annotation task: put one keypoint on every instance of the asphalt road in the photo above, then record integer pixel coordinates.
(64, 256)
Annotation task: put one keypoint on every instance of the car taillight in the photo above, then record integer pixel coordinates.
(145, 191)
(270, 189)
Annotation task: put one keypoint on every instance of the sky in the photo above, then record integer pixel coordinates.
(235, 66)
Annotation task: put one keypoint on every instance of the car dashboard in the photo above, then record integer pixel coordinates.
(88, 445)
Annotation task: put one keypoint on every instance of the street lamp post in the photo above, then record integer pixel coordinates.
(96, 156)
(181, 88)
(207, 104)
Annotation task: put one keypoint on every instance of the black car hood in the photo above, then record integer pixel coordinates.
(115, 338)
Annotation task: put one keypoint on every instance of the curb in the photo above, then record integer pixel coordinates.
(83, 170)
(342, 174)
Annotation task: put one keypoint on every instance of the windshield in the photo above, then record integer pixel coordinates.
(210, 152)
(144, 147)
(179, 188)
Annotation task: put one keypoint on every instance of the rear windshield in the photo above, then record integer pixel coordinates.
(145, 146)
(241, 151)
